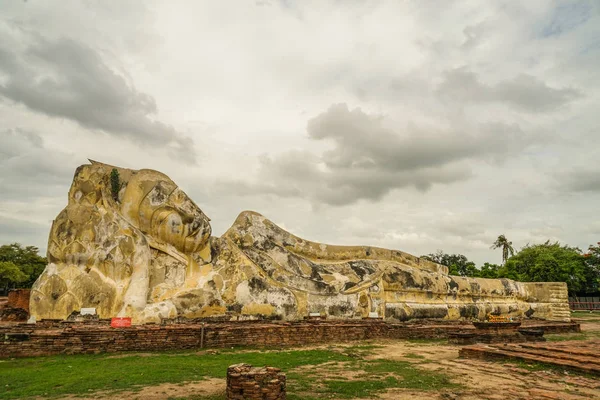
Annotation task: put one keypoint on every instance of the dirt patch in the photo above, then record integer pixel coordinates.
(125, 355)
(486, 379)
(208, 387)
(590, 326)
(395, 394)
(480, 379)
(406, 351)
(331, 370)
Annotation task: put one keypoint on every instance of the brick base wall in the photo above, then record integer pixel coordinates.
(54, 337)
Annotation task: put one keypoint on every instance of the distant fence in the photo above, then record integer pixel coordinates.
(584, 303)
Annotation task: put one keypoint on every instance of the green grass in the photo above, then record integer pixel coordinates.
(428, 341)
(559, 337)
(357, 388)
(413, 355)
(412, 377)
(536, 366)
(358, 351)
(372, 376)
(84, 375)
(586, 314)
(366, 347)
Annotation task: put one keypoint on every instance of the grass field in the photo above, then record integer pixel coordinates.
(84, 375)
(586, 315)
(385, 369)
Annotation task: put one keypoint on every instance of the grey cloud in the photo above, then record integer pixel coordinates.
(35, 180)
(17, 141)
(566, 17)
(292, 174)
(368, 160)
(29, 170)
(585, 180)
(67, 79)
(467, 225)
(25, 232)
(523, 92)
(473, 35)
(362, 141)
(12, 228)
(592, 228)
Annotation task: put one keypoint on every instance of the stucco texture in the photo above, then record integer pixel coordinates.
(145, 251)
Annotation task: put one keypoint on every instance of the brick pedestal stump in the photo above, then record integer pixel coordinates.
(245, 382)
(19, 298)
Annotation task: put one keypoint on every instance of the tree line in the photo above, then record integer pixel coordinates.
(19, 266)
(546, 262)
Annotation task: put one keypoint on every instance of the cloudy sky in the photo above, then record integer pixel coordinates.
(414, 125)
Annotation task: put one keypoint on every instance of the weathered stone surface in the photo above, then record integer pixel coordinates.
(146, 252)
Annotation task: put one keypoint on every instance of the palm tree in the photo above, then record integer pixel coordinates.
(506, 246)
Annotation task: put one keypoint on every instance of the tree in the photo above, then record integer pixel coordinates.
(548, 262)
(489, 271)
(10, 274)
(115, 184)
(592, 273)
(457, 263)
(505, 245)
(26, 260)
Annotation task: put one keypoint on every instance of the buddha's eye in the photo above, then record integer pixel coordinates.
(186, 218)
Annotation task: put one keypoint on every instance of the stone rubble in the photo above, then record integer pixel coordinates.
(583, 356)
(245, 382)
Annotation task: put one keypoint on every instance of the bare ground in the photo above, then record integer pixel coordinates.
(208, 387)
(486, 379)
(479, 379)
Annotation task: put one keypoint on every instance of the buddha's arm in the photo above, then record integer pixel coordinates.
(251, 229)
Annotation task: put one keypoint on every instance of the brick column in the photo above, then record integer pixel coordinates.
(245, 382)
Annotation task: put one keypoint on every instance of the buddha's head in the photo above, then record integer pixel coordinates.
(147, 199)
(153, 202)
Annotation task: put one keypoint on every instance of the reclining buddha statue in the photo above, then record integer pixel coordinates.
(131, 243)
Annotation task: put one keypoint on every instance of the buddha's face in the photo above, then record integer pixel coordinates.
(181, 223)
(161, 210)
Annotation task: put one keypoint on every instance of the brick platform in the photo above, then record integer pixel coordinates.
(60, 337)
(19, 298)
(583, 356)
(497, 332)
(245, 382)
(15, 307)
